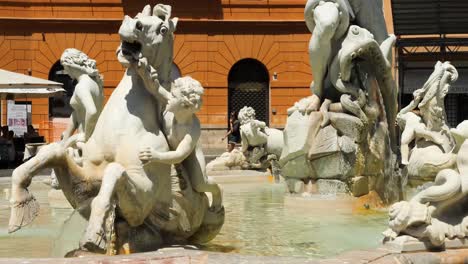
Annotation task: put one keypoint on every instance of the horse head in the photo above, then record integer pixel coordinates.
(149, 35)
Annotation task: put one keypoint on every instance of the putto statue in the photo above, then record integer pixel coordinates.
(123, 185)
(424, 121)
(346, 127)
(438, 213)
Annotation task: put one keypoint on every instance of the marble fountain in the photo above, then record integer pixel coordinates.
(130, 176)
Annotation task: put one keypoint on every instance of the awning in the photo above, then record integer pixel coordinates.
(17, 85)
(430, 17)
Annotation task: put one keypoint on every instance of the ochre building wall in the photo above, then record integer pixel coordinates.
(212, 36)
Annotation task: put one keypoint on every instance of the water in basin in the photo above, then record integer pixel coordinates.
(260, 220)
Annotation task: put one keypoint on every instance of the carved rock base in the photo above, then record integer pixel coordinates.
(411, 244)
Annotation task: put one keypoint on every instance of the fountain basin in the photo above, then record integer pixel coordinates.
(261, 220)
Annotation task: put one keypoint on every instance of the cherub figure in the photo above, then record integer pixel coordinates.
(182, 129)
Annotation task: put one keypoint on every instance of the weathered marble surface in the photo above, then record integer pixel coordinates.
(346, 128)
(261, 147)
(233, 160)
(424, 122)
(122, 182)
(438, 214)
(87, 102)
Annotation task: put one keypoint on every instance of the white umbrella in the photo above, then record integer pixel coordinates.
(17, 85)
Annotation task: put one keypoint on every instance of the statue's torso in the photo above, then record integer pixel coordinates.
(128, 123)
(253, 135)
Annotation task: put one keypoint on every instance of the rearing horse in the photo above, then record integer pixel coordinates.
(112, 173)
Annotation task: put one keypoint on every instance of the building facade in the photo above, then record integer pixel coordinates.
(244, 52)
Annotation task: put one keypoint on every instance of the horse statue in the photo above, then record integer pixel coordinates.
(145, 209)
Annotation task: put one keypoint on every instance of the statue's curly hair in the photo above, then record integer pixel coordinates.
(246, 114)
(191, 92)
(79, 60)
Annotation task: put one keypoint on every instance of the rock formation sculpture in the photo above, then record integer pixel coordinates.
(130, 203)
(346, 128)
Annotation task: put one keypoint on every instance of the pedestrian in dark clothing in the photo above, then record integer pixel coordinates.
(233, 133)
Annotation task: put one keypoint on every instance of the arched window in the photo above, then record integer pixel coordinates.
(59, 105)
(249, 85)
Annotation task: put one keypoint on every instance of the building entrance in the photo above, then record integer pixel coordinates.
(248, 85)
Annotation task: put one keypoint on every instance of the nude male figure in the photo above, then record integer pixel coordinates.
(182, 129)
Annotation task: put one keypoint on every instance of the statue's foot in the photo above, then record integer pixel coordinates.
(24, 209)
(94, 239)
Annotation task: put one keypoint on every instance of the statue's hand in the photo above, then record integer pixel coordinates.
(147, 72)
(80, 137)
(148, 154)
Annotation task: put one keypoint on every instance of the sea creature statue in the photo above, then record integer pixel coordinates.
(424, 121)
(437, 214)
(125, 191)
(352, 111)
(234, 160)
(261, 145)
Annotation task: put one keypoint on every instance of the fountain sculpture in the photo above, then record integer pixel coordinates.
(261, 146)
(345, 130)
(424, 120)
(122, 182)
(435, 217)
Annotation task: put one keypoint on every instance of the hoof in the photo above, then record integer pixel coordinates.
(23, 212)
(94, 241)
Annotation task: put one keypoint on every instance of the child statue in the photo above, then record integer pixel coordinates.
(182, 129)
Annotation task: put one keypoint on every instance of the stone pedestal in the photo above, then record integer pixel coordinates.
(410, 244)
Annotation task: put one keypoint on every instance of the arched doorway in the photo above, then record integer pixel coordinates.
(59, 105)
(248, 85)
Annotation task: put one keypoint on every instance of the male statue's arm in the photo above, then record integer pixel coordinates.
(149, 76)
(185, 147)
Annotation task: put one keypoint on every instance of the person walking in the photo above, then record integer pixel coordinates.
(233, 133)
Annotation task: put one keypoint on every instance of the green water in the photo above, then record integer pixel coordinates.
(260, 220)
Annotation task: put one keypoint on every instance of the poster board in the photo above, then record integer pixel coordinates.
(17, 117)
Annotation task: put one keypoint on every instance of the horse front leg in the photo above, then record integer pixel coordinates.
(24, 207)
(102, 207)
